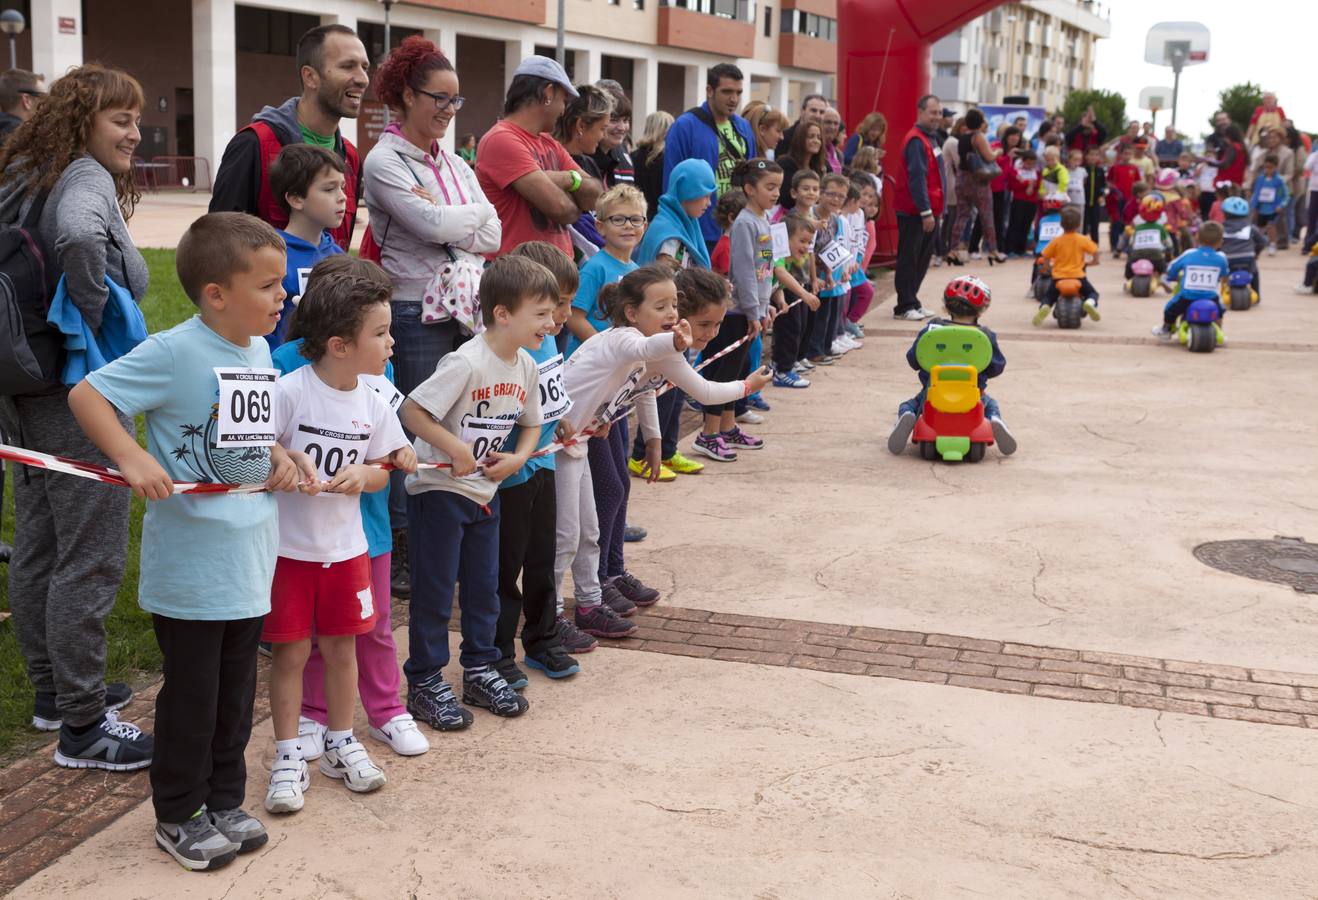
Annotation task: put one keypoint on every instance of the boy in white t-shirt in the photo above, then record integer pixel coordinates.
(323, 575)
(461, 416)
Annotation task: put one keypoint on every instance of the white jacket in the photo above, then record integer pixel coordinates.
(410, 230)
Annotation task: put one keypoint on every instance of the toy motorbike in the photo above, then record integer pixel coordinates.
(1200, 329)
(1141, 282)
(1069, 310)
(1238, 290)
(952, 426)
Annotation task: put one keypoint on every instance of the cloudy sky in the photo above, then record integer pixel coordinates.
(1268, 42)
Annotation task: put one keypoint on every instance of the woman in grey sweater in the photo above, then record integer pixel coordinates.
(71, 534)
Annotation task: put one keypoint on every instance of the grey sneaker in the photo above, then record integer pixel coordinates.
(45, 714)
(616, 601)
(240, 828)
(196, 845)
(1002, 437)
(901, 433)
(487, 689)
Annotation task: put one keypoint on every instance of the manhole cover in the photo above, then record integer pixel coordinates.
(1284, 560)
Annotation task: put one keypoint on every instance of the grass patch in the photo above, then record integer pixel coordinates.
(132, 649)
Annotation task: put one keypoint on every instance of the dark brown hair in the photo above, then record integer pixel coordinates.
(339, 265)
(698, 288)
(558, 263)
(295, 169)
(615, 299)
(512, 280)
(729, 206)
(219, 244)
(338, 297)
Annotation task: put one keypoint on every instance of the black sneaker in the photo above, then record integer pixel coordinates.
(602, 621)
(46, 717)
(515, 677)
(266, 649)
(487, 689)
(437, 706)
(240, 828)
(196, 845)
(631, 587)
(400, 574)
(615, 600)
(109, 744)
(573, 639)
(554, 662)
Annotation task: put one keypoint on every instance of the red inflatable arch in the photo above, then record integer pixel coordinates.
(883, 64)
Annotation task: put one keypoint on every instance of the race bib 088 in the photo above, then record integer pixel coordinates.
(1201, 278)
(485, 436)
(246, 406)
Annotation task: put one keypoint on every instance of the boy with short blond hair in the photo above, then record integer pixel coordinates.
(208, 560)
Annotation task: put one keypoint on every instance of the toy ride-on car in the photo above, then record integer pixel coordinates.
(1141, 279)
(1200, 328)
(952, 426)
(1238, 290)
(1069, 308)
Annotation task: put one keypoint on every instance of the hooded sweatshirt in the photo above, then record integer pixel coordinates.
(302, 258)
(1241, 239)
(689, 180)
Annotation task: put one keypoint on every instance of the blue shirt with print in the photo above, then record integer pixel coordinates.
(1198, 258)
(599, 270)
(548, 350)
(302, 258)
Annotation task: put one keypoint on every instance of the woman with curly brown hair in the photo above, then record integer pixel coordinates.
(74, 156)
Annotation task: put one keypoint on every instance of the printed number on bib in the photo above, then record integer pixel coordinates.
(781, 247)
(1148, 239)
(246, 406)
(485, 436)
(1201, 278)
(1049, 230)
(554, 401)
(834, 255)
(331, 450)
(1267, 195)
(385, 388)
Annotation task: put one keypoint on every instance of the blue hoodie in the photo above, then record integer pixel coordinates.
(690, 138)
(302, 258)
(690, 179)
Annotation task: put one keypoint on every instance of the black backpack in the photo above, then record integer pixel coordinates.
(29, 347)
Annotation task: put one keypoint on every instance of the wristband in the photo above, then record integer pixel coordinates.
(576, 181)
(928, 213)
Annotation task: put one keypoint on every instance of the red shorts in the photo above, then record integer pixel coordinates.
(330, 599)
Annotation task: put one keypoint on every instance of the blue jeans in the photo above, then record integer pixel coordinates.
(417, 350)
(916, 405)
(453, 541)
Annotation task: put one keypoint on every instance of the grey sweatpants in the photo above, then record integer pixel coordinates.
(70, 545)
(577, 543)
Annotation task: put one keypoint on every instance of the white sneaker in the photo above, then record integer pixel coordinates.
(750, 417)
(911, 315)
(977, 256)
(840, 347)
(402, 735)
(927, 313)
(1272, 249)
(1162, 332)
(310, 738)
(1303, 288)
(289, 778)
(350, 763)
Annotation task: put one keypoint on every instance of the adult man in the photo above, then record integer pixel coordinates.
(1089, 133)
(715, 133)
(918, 199)
(813, 108)
(1267, 115)
(334, 69)
(532, 181)
(1169, 149)
(832, 126)
(20, 91)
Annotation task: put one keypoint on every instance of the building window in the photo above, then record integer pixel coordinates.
(794, 21)
(269, 31)
(947, 70)
(768, 21)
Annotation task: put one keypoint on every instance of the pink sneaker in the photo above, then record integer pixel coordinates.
(740, 440)
(715, 447)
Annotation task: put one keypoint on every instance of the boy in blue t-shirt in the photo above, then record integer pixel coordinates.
(207, 389)
(1198, 275)
(1269, 199)
(621, 216)
(308, 182)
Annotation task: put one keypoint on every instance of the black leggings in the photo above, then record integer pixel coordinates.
(729, 368)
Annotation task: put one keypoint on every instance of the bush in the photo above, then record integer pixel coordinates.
(1109, 110)
(1238, 102)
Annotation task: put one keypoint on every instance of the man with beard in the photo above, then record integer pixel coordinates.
(813, 108)
(334, 68)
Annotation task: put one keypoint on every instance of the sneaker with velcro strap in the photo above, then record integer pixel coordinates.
(402, 735)
(554, 662)
(515, 677)
(349, 762)
(290, 778)
(196, 845)
(615, 600)
(435, 704)
(602, 621)
(45, 712)
(486, 688)
(635, 590)
(573, 639)
(243, 829)
(310, 738)
(109, 744)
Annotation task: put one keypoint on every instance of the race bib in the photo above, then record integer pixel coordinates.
(385, 388)
(1267, 195)
(302, 276)
(246, 406)
(485, 436)
(1049, 230)
(554, 401)
(1201, 278)
(1027, 175)
(834, 255)
(1148, 239)
(331, 450)
(782, 249)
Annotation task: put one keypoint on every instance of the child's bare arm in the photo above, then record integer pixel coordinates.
(416, 420)
(99, 420)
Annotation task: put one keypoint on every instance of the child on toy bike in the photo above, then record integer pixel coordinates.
(1198, 275)
(1068, 256)
(1147, 236)
(966, 298)
(1242, 240)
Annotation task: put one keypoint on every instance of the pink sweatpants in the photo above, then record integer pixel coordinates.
(378, 675)
(861, 295)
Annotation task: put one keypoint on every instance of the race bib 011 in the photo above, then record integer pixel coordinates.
(246, 406)
(554, 401)
(1201, 278)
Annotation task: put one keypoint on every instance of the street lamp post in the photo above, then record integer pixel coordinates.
(12, 23)
(387, 43)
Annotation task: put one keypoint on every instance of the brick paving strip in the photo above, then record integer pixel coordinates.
(45, 811)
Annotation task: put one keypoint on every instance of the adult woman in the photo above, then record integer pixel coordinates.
(75, 154)
(580, 130)
(832, 130)
(947, 238)
(768, 125)
(869, 133)
(1233, 160)
(978, 165)
(611, 156)
(806, 151)
(1000, 187)
(427, 211)
(648, 159)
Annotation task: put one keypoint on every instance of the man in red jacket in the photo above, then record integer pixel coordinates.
(918, 194)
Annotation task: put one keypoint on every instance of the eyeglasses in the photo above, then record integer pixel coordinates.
(834, 195)
(619, 221)
(32, 93)
(444, 101)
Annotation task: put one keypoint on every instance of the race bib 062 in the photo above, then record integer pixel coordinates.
(246, 406)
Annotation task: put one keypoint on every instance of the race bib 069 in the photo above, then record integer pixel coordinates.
(246, 406)
(1201, 278)
(554, 401)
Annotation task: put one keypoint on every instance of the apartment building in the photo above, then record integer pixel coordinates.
(208, 65)
(1039, 49)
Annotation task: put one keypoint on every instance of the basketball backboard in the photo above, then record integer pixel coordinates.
(1177, 44)
(1156, 98)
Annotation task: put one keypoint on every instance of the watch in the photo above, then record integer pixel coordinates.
(576, 181)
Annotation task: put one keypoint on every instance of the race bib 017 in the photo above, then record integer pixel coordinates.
(246, 406)
(1201, 278)
(554, 401)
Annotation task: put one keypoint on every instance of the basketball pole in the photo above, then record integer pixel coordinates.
(1178, 59)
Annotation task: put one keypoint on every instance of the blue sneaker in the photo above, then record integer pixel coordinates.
(790, 380)
(755, 401)
(554, 662)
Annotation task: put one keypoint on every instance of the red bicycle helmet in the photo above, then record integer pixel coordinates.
(969, 288)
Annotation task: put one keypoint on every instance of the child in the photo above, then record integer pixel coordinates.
(1095, 191)
(1054, 178)
(620, 367)
(1068, 256)
(1075, 180)
(1131, 211)
(1147, 236)
(966, 298)
(461, 416)
(1198, 274)
(1242, 241)
(1121, 180)
(862, 292)
(378, 675)
(206, 607)
(1024, 202)
(675, 237)
(1309, 284)
(727, 209)
(823, 348)
(1269, 199)
(323, 574)
(308, 183)
(805, 195)
(1141, 160)
(620, 214)
(789, 326)
(751, 267)
(527, 516)
(860, 297)
(1049, 230)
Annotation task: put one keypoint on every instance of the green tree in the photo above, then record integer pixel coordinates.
(1109, 109)
(1238, 102)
